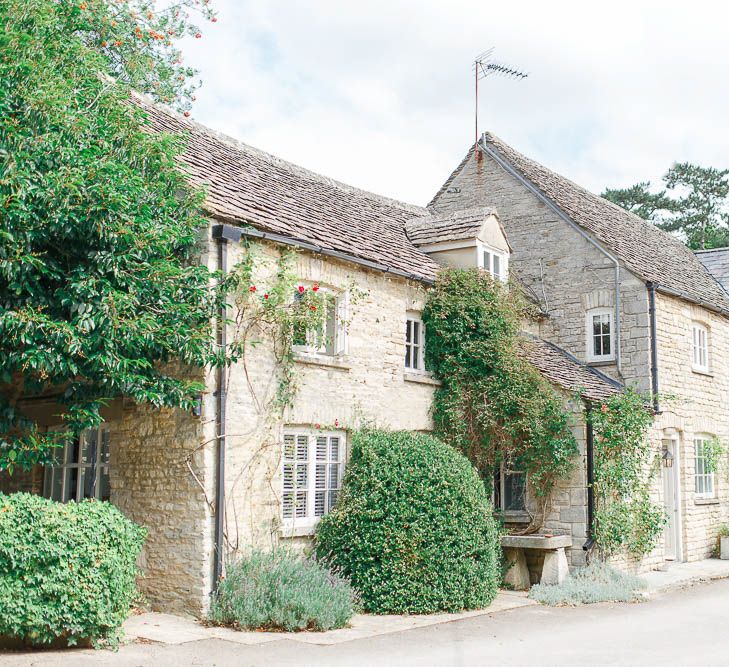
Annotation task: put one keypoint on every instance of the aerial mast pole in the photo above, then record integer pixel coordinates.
(483, 66)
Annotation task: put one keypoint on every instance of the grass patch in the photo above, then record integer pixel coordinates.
(281, 590)
(597, 582)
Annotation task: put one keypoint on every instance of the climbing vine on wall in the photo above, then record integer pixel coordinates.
(493, 405)
(625, 464)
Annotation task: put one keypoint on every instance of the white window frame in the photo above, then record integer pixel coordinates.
(589, 329)
(414, 350)
(317, 495)
(704, 482)
(335, 342)
(700, 347)
(503, 472)
(487, 256)
(89, 453)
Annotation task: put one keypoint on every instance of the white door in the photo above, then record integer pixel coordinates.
(671, 496)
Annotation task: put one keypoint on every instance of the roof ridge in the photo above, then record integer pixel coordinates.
(280, 162)
(705, 250)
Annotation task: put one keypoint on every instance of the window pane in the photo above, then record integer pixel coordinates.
(103, 490)
(514, 491)
(487, 260)
(408, 327)
(497, 266)
(105, 446)
(334, 443)
(408, 361)
(416, 333)
(329, 344)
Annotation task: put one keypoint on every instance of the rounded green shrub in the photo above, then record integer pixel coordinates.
(413, 528)
(67, 571)
(282, 590)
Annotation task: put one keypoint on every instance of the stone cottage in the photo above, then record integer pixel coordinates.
(623, 303)
(625, 297)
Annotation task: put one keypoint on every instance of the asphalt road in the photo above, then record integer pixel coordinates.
(685, 627)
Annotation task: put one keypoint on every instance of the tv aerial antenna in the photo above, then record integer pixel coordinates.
(484, 66)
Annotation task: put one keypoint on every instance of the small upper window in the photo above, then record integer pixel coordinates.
(600, 335)
(330, 337)
(495, 263)
(699, 347)
(414, 343)
(81, 468)
(703, 479)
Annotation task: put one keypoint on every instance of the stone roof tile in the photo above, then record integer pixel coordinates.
(452, 226)
(566, 371)
(716, 262)
(249, 187)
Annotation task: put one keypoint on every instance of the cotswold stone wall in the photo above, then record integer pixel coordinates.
(568, 515)
(700, 407)
(152, 484)
(367, 385)
(558, 266)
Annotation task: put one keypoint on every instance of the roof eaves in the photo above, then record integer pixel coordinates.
(235, 232)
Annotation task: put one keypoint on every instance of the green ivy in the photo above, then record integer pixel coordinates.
(67, 571)
(624, 468)
(714, 452)
(493, 405)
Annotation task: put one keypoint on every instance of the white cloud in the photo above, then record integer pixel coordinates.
(380, 94)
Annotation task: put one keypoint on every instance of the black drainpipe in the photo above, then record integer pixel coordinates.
(654, 344)
(220, 425)
(590, 448)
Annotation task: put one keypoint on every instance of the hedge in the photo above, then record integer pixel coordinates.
(413, 528)
(67, 571)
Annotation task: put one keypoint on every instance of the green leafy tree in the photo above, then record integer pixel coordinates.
(101, 291)
(694, 204)
(701, 213)
(640, 200)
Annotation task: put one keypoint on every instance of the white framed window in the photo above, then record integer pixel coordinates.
(414, 343)
(81, 468)
(699, 347)
(509, 489)
(703, 479)
(331, 338)
(600, 334)
(312, 469)
(493, 261)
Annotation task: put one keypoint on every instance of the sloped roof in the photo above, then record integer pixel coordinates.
(451, 226)
(566, 371)
(716, 262)
(651, 253)
(248, 187)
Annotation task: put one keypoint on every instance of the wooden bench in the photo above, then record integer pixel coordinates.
(555, 568)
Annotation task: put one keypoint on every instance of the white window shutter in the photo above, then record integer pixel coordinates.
(342, 342)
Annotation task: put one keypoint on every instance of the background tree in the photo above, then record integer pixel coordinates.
(101, 290)
(694, 205)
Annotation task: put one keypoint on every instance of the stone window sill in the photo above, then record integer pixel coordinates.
(706, 501)
(421, 378)
(698, 371)
(321, 360)
(605, 362)
(513, 516)
(305, 530)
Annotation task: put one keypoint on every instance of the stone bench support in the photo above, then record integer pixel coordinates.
(555, 568)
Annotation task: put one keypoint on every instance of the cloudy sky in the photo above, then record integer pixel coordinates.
(379, 94)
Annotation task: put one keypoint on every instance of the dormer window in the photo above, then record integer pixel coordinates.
(600, 335)
(494, 262)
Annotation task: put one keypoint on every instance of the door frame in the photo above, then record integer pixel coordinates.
(672, 439)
